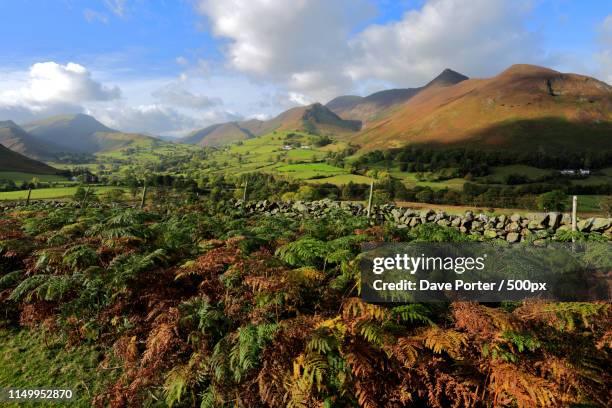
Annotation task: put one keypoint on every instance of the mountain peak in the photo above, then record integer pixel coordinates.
(527, 69)
(8, 124)
(447, 77)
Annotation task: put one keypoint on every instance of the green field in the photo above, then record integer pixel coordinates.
(17, 176)
(310, 170)
(46, 193)
(499, 173)
(410, 180)
(343, 179)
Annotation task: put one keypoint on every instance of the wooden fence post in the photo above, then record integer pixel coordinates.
(574, 210)
(370, 199)
(144, 196)
(29, 193)
(244, 193)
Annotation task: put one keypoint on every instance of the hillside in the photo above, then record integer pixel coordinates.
(218, 134)
(72, 133)
(17, 139)
(524, 107)
(315, 119)
(369, 108)
(84, 134)
(13, 161)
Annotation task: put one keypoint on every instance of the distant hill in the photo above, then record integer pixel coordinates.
(218, 135)
(82, 134)
(17, 139)
(524, 107)
(371, 107)
(13, 161)
(315, 118)
(72, 133)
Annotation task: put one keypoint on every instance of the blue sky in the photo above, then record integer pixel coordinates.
(167, 67)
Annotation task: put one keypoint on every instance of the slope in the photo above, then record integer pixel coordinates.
(369, 108)
(315, 119)
(524, 107)
(17, 139)
(13, 161)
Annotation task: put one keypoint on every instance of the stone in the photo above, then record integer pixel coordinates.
(541, 219)
(515, 217)
(601, 224)
(513, 227)
(512, 237)
(584, 225)
(443, 222)
(534, 225)
(456, 222)
(396, 214)
(300, 206)
(490, 233)
(554, 219)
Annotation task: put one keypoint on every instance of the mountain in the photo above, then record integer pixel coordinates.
(82, 134)
(72, 133)
(13, 161)
(17, 139)
(369, 108)
(524, 107)
(218, 134)
(315, 118)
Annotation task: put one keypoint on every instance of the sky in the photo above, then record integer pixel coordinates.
(167, 67)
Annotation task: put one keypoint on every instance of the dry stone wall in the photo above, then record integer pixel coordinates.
(512, 228)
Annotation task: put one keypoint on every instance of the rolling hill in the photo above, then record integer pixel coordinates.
(369, 108)
(83, 134)
(17, 139)
(524, 107)
(13, 161)
(315, 118)
(72, 133)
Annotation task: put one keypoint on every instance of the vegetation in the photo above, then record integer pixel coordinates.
(200, 304)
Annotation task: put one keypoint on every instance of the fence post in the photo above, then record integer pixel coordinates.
(574, 209)
(244, 193)
(29, 193)
(144, 196)
(370, 199)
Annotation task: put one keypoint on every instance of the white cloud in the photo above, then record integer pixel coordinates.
(157, 119)
(480, 39)
(604, 56)
(93, 16)
(175, 94)
(154, 119)
(116, 6)
(289, 44)
(52, 88)
(314, 47)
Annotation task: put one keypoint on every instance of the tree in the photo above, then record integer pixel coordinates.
(552, 201)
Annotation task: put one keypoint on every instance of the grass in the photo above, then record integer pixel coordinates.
(310, 170)
(33, 359)
(587, 203)
(410, 180)
(343, 179)
(499, 173)
(47, 193)
(18, 176)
